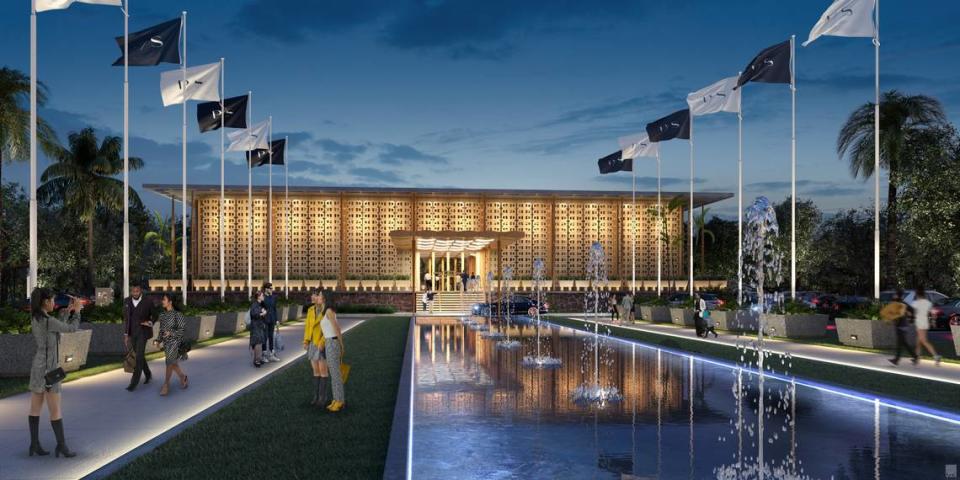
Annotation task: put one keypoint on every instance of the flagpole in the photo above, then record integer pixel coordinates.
(876, 153)
(793, 168)
(690, 213)
(222, 127)
(183, 204)
(659, 227)
(126, 150)
(286, 215)
(740, 196)
(249, 199)
(270, 201)
(32, 277)
(633, 192)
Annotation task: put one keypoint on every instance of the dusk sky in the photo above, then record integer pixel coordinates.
(491, 94)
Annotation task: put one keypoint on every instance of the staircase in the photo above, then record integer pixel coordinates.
(451, 302)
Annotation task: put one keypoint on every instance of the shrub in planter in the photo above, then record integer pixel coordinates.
(682, 316)
(200, 327)
(17, 351)
(230, 323)
(742, 320)
(862, 327)
(106, 337)
(653, 309)
(794, 320)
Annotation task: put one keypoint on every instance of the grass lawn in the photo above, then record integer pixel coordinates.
(273, 432)
(915, 390)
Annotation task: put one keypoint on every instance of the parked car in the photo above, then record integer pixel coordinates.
(911, 295)
(943, 311)
(808, 297)
(519, 305)
(62, 300)
(713, 301)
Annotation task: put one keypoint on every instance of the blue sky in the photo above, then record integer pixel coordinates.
(494, 93)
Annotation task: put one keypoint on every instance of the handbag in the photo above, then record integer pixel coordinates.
(56, 375)
(184, 349)
(344, 371)
(129, 361)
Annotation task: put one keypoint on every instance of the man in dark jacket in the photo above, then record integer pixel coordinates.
(270, 301)
(901, 314)
(138, 329)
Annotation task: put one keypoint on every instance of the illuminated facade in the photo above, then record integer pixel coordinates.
(386, 238)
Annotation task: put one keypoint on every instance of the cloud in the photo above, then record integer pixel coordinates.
(399, 154)
(648, 182)
(317, 174)
(376, 175)
(293, 20)
(816, 188)
(296, 139)
(339, 151)
(660, 102)
(203, 166)
(864, 81)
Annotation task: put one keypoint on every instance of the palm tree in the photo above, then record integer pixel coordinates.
(164, 239)
(700, 222)
(82, 180)
(15, 134)
(901, 118)
(666, 239)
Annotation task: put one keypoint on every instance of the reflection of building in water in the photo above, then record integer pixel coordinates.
(460, 373)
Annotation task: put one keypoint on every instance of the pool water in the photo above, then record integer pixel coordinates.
(478, 413)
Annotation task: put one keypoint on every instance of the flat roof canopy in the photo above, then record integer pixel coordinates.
(454, 242)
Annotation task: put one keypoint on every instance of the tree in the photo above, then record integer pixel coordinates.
(666, 239)
(81, 179)
(722, 262)
(161, 237)
(15, 135)
(809, 218)
(902, 117)
(841, 265)
(700, 222)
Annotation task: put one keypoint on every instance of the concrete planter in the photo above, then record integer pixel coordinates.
(17, 351)
(804, 325)
(230, 323)
(106, 338)
(955, 330)
(292, 312)
(200, 328)
(682, 316)
(655, 313)
(736, 320)
(860, 332)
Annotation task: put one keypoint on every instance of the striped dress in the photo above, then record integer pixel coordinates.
(172, 326)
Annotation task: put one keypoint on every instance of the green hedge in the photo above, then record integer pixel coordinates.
(13, 320)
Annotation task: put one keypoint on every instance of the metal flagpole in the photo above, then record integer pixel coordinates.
(126, 150)
(183, 203)
(659, 227)
(690, 213)
(32, 276)
(222, 127)
(249, 199)
(876, 153)
(793, 168)
(740, 197)
(270, 201)
(633, 171)
(286, 216)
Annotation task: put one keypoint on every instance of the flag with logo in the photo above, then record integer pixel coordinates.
(846, 18)
(44, 5)
(638, 145)
(614, 163)
(262, 156)
(675, 125)
(722, 96)
(250, 138)
(772, 65)
(234, 114)
(153, 46)
(199, 83)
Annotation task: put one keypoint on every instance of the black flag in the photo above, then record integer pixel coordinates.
(261, 157)
(208, 114)
(772, 65)
(615, 163)
(675, 125)
(153, 46)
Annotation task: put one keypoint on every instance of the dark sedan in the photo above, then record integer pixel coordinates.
(943, 312)
(518, 306)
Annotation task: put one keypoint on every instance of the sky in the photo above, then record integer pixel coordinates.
(490, 93)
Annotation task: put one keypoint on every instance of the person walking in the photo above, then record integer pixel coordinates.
(333, 351)
(626, 311)
(172, 326)
(900, 314)
(612, 307)
(921, 314)
(138, 322)
(46, 333)
(258, 319)
(270, 302)
(699, 306)
(313, 343)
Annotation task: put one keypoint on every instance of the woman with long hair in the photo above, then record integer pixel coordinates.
(313, 343)
(333, 351)
(172, 326)
(921, 315)
(258, 327)
(46, 332)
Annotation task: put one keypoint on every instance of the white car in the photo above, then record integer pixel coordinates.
(910, 295)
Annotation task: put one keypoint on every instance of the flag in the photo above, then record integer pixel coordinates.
(201, 84)
(675, 125)
(261, 156)
(614, 163)
(153, 46)
(638, 145)
(44, 5)
(722, 96)
(772, 65)
(249, 139)
(846, 18)
(208, 114)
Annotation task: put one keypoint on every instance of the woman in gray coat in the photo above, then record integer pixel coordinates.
(46, 331)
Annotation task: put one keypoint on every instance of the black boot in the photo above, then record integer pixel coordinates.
(35, 447)
(316, 391)
(323, 399)
(62, 448)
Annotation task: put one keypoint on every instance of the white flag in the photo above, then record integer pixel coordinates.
(719, 97)
(637, 145)
(249, 139)
(201, 84)
(845, 18)
(44, 5)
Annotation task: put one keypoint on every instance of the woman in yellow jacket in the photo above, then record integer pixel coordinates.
(313, 343)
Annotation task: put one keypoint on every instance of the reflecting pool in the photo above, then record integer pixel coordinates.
(478, 413)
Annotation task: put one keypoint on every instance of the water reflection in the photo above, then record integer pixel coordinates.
(479, 414)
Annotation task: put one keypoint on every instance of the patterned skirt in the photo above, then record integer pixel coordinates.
(315, 353)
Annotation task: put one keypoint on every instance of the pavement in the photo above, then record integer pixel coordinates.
(946, 372)
(103, 422)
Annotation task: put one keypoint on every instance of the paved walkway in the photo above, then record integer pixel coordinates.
(103, 421)
(946, 372)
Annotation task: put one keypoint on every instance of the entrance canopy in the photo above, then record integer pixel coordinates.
(451, 241)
